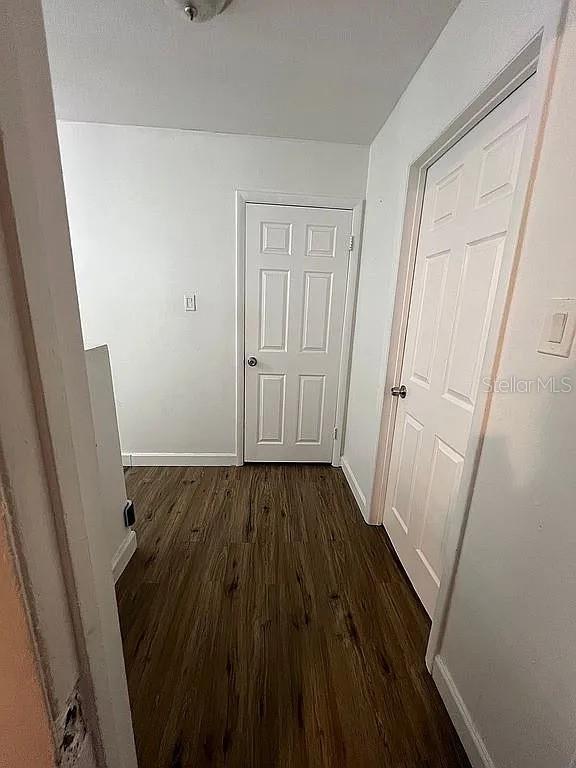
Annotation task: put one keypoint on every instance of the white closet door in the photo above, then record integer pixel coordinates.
(296, 276)
(465, 217)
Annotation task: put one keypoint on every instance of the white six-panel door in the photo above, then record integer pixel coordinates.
(465, 217)
(296, 276)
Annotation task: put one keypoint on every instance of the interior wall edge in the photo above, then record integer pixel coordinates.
(355, 487)
(466, 728)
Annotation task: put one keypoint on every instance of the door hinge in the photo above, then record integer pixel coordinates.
(351, 243)
(335, 433)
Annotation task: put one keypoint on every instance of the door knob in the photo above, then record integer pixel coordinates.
(251, 361)
(399, 391)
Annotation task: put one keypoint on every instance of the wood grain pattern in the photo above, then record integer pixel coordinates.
(265, 625)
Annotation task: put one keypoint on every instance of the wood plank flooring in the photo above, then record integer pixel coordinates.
(265, 625)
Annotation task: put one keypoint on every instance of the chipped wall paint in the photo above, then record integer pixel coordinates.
(71, 732)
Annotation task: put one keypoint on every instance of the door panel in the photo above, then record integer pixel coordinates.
(500, 163)
(407, 470)
(271, 410)
(296, 277)
(311, 409)
(446, 197)
(316, 313)
(429, 312)
(444, 478)
(276, 238)
(466, 209)
(478, 282)
(321, 241)
(273, 309)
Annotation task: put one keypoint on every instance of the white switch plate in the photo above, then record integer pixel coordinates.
(558, 327)
(190, 302)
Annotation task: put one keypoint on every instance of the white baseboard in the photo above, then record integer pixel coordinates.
(182, 459)
(126, 459)
(123, 554)
(354, 486)
(466, 728)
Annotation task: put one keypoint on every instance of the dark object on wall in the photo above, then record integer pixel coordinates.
(129, 514)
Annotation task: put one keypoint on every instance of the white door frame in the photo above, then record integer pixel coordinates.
(356, 205)
(536, 58)
(49, 460)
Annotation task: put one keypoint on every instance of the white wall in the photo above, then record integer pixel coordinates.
(479, 40)
(119, 539)
(511, 633)
(152, 215)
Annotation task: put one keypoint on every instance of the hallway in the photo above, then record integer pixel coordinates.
(264, 624)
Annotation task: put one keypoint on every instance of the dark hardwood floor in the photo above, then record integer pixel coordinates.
(265, 625)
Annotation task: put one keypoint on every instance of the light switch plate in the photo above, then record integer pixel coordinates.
(558, 327)
(190, 302)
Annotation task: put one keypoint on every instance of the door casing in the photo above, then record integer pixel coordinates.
(356, 205)
(536, 59)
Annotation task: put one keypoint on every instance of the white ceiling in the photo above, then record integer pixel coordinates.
(311, 69)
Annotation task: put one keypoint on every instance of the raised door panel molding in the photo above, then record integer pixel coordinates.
(408, 463)
(500, 164)
(442, 489)
(276, 238)
(479, 277)
(321, 241)
(446, 197)
(271, 408)
(316, 311)
(310, 409)
(273, 321)
(429, 313)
